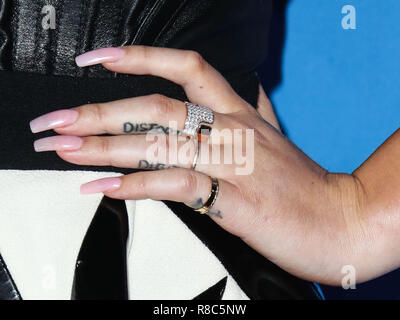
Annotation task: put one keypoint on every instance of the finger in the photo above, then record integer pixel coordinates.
(146, 152)
(265, 109)
(201, 82)
(180, 185)
(151, 151)
(126, 116)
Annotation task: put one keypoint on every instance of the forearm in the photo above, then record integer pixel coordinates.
(379, 207)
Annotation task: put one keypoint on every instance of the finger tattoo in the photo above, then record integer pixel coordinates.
(130, 127)
(144, 164)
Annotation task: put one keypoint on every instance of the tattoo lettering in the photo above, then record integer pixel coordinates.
(144, 164)
(146, 127)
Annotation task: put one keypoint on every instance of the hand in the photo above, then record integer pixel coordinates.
(288, 208)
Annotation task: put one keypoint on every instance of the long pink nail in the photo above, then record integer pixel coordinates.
(101, 185)
(55, 119)
(58, 143)
(93, 57)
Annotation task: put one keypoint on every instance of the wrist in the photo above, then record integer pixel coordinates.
(347, 228)
(370, 229)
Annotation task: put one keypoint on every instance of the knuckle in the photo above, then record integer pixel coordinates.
(161, 150)
(162, 105)
(195, 62)
(189, 183)
(142, 184)
(243, 119)
(238, 123)
(105, 145)
(146, 51)
(259, 137)
(99, 113)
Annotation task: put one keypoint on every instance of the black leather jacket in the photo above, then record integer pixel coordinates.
(230, 34)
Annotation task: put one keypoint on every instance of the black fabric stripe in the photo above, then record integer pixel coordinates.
(25, 96)
(101, 267)
(215, 292)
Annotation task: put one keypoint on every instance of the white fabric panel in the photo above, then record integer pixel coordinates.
(233, 291)
(168, 260)
(44, 218)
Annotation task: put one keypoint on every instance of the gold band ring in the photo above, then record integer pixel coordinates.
(211, 198)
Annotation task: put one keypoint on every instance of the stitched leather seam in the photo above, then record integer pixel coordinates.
(116, 29)
(53, 41)
(139, 34)
(118, 24)
(82, 9)
(171, 20)
(15, 40)
(38, 24)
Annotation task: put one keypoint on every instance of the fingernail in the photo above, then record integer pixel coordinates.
(55, 119)
(93, 57)
(101, 185)
(58, 143)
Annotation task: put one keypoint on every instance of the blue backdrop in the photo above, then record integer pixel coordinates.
(336, 91)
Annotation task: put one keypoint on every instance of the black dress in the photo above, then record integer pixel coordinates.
(38, 75)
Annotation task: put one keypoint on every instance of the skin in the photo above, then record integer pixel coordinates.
(309, 221)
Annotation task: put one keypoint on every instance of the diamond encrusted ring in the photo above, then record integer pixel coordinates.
(196, 115)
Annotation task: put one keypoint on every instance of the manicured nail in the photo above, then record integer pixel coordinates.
(55, 119)
(99, 56)
(58, 143)
(101, 185)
